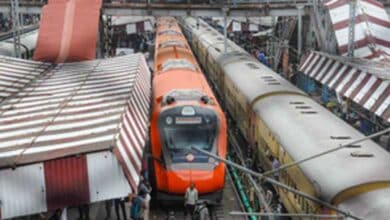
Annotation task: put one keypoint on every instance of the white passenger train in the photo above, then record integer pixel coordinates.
(280, 120)
(27, 45)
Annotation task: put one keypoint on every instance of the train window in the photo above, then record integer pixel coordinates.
(276, 83)
(267, 77)
(299, 198)
(185, 94)
(252, 66)
(169, 32)
(178, 63)
(172, 43)
(220, 38)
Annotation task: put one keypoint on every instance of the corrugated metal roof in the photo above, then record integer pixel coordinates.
(75, 108)
(372, 27)
(15, 74)
(72, 109)
(354, 79)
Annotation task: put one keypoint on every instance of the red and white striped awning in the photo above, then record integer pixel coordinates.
(77, 108)
(367, 83)
(372, 27)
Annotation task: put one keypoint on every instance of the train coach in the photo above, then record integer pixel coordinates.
(185, 114)
(27, 45)
(281, 121)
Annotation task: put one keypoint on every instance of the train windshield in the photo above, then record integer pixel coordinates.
(181, 128)
(183, 137)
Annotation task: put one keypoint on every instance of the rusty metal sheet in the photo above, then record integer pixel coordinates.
(66, 182)
(68, 31)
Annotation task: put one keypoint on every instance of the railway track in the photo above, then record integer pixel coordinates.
(238, 152)
(230, 202)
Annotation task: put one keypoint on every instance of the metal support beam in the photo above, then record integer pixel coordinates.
(309, 216)
(300, 10)
(225, 10)
(249, 9)
(16, 26)
(351, 28)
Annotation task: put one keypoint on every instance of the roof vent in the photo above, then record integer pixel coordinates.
(252, 66)
(308, 112)
(353, 146)
(361, 154)
(297, 103)
(340, 137)
(302, 107)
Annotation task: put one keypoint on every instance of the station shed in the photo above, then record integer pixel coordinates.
(71, 134)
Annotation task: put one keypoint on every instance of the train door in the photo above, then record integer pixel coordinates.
(251, 131)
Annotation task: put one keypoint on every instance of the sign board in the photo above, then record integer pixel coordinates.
(253, 27)
(148, 26)
(131, 29)
(236, 26)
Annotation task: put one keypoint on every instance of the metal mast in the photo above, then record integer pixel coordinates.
(16, 26)
(351, 30)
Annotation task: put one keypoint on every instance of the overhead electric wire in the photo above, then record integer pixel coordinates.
(283, 167)
(277, 183)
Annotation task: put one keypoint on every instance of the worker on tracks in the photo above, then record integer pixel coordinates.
(190, 199)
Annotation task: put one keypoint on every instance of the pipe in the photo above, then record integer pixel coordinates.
(241, 191)
(320, 216)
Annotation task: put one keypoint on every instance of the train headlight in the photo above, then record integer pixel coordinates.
(188, 111)
(168, 120)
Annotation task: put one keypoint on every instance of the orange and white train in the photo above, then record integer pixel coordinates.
(185, 114)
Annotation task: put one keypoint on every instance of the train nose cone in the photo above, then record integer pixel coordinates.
(205, 181)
